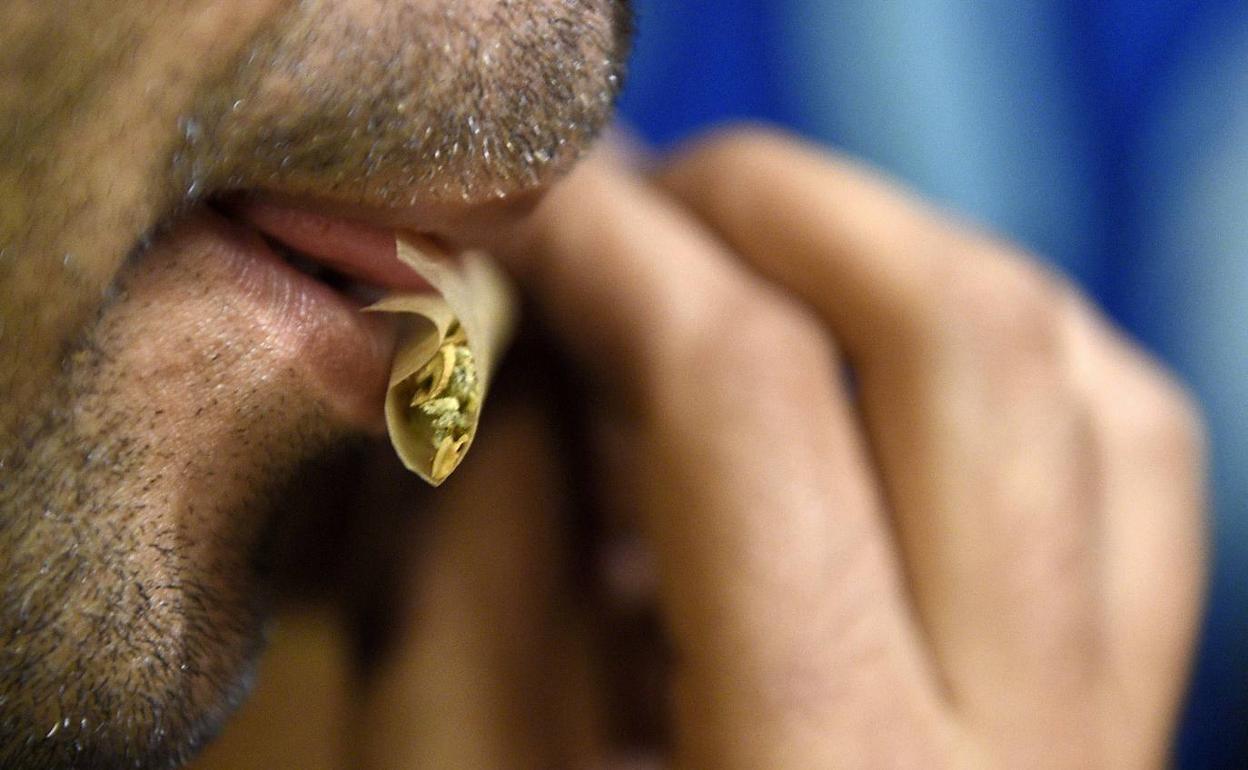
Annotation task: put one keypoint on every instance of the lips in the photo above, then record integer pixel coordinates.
(302, 277)
(360, 253)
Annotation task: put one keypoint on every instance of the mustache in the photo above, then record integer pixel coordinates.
(416, 103)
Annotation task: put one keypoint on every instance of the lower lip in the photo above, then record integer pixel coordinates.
(304, 325)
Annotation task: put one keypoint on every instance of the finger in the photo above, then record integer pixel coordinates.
(489, 666)
(1152, 451)
(736, 441)
(958, 347)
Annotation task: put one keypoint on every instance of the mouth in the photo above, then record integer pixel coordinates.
(355, 260)
(302, 275)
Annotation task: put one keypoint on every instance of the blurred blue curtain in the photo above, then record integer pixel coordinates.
(1110, 137)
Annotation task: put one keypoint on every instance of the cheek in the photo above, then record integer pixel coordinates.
(132, 517)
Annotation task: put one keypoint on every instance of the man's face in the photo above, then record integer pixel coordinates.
(164, 374)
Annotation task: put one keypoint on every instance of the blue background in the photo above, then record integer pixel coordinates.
(1111, 137)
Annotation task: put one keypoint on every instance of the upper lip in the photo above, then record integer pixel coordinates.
(359, 242)
(356, 239)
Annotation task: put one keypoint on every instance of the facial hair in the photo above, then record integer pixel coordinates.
(137, 489)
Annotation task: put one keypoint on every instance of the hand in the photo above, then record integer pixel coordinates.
(985, 551)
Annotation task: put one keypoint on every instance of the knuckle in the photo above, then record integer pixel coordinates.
(1001, 308)
(1165, 420)
(763, 343)
(745, 345)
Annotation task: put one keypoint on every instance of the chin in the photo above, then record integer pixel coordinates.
(114, 698)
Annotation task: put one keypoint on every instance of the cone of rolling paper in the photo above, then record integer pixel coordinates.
(450, 341)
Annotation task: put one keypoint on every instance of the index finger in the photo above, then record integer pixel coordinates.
(743, 458)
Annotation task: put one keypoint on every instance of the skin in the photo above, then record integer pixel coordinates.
(989, 553)
(154, 413)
